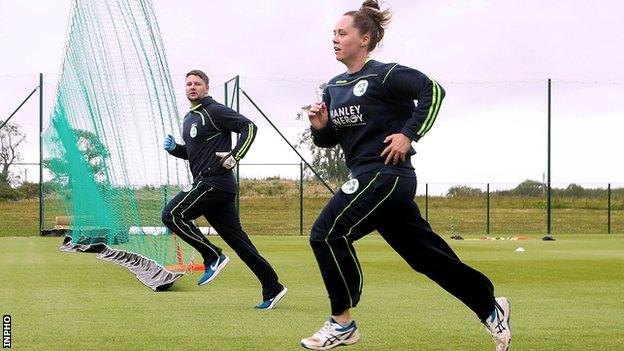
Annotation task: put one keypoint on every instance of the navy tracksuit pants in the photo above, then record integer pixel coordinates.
(385, 203)
(219, 209)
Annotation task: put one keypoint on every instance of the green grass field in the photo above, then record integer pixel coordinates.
(566, 295)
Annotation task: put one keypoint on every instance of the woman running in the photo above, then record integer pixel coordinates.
(370, 111)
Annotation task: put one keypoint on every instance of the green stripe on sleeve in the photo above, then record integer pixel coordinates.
(245, 147)
(433, 109)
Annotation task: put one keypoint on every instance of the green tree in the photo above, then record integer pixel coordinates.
(575, 190)
(93, 151)
(328, 162)
(10, 139)
(463, 191)
(528, 188)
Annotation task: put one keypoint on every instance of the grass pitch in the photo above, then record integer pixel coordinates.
(566, 295)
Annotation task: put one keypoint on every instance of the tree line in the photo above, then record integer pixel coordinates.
(532, 188)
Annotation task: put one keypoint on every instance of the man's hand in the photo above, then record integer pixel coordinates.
(397, 149)
(227, 160)
(169, 143)
(318, 115)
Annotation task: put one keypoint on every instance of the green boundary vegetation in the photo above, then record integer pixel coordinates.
(271, 207)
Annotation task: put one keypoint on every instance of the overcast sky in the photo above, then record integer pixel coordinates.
(492, 57)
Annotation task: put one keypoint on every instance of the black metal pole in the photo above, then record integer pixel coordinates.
(301, 198)
(548, 187)
(20, 105)
(609, 209)
(289, 144)
(427, 201)
(225, 93)
(237, 109)
(41, 153)
(487, 229)
(236, 87)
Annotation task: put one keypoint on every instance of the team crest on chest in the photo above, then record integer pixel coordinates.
(351, 186)
(193, 131)
(360, 87)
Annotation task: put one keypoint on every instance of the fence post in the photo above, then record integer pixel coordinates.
(487, 229)
(427, 202)
(609, 209)
(41, 153)
(300, 198)
(548, 187)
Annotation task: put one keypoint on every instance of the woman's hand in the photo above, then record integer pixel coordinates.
(318, 115)
(397, 149)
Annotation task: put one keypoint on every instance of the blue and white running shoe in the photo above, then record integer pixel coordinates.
(213, 269)
(270, 303)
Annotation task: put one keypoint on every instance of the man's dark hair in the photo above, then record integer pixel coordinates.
(200, 74)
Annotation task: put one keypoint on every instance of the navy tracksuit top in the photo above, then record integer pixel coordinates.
(206, 130)
(367, 106)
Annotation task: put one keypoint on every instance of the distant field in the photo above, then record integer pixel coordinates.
(274, 210)
(566, 295)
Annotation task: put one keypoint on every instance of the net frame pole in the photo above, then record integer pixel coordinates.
(235, 105)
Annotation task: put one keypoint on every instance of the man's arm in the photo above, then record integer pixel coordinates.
(233, 121)
(174, 149)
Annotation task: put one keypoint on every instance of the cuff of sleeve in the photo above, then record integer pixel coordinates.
(317, 131)
(323, 131)
(408, 133)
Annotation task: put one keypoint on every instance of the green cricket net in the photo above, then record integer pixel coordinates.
(114, 103)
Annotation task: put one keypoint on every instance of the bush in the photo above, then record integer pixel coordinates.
(463, 191)
(28, 190)
(8, 193)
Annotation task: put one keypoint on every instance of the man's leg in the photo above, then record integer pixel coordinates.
(179, 213)
(224, 218)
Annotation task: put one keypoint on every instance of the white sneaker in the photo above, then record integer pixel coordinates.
(332, 334)
(498, 324)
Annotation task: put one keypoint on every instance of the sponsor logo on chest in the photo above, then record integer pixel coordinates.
(193, 131)
(347, 116)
